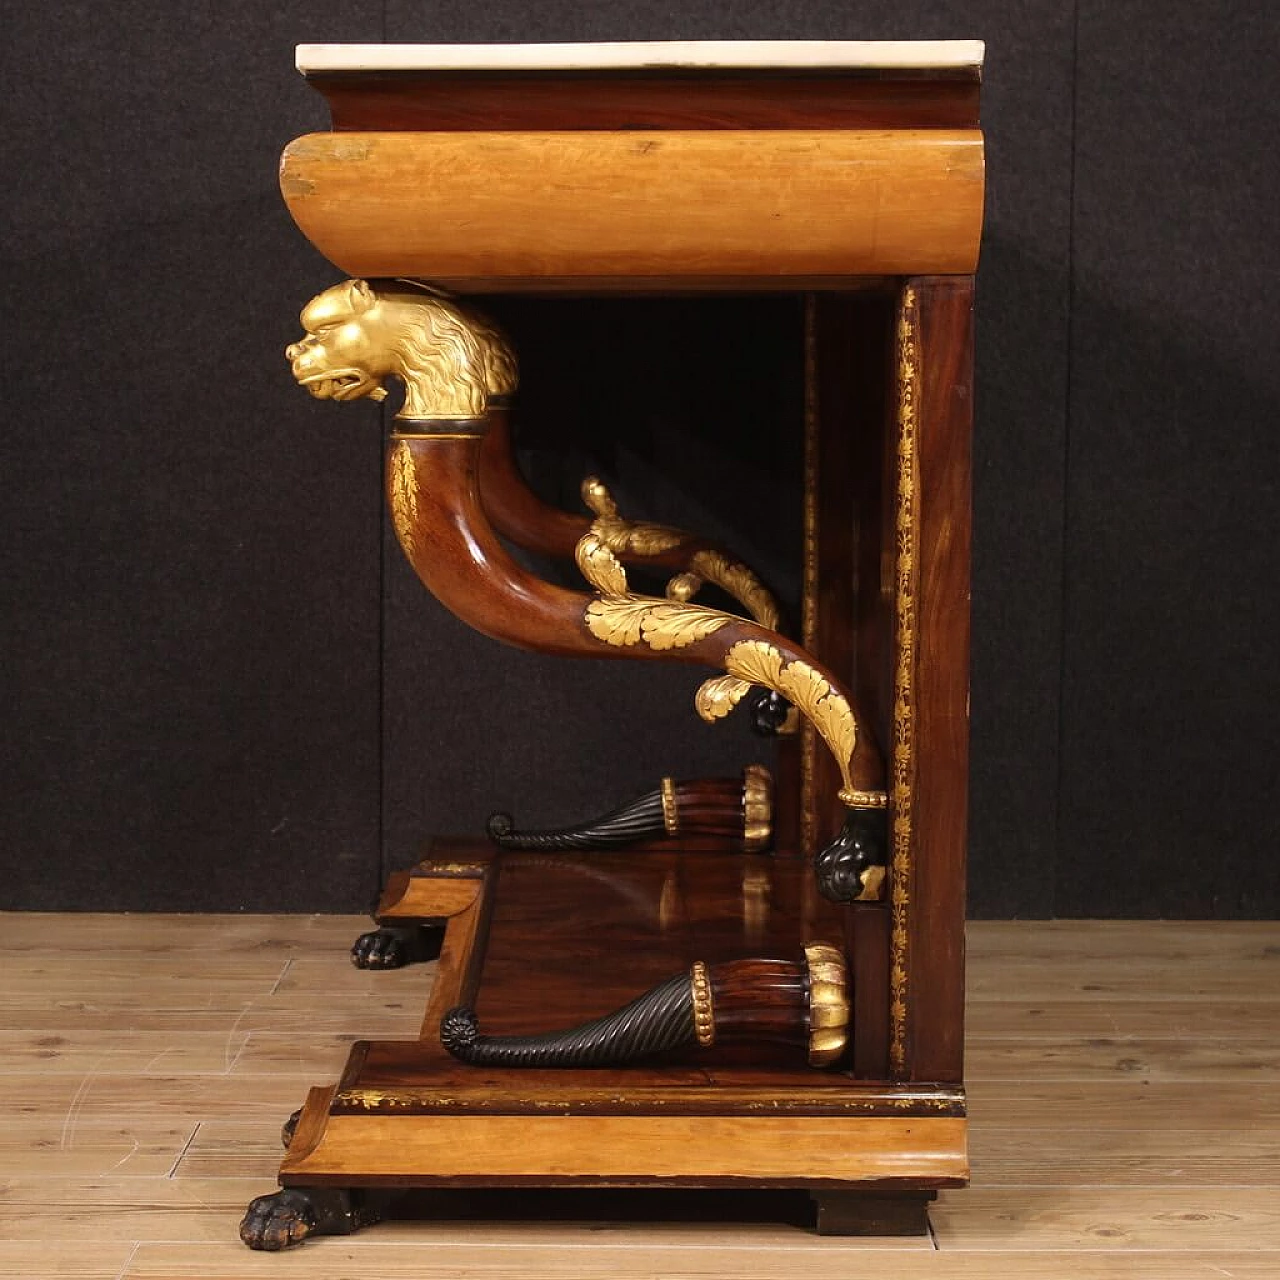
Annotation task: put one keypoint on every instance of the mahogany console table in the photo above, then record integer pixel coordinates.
(752, 981)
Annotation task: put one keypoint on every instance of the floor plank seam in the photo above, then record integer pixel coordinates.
(72, 1118)
(186, 1146)
(228, 1058)
(284, 973)
(128, 1262)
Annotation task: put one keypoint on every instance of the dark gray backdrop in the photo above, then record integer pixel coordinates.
(224, 692)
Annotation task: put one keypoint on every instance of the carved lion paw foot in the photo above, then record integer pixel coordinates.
(379, 949)
(289, 1128)
(394, 948)
(852, 867)
(278, 1221)
(288, 1217)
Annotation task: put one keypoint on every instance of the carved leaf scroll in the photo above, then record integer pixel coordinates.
(760, 663)
(621, 618)
(629, 620)
(600, 566)
(719, 695)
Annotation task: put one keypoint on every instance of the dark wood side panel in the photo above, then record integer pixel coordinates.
(943, 340)
(409, 100)
(850, 612)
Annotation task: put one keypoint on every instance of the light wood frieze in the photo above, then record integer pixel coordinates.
(600, 205)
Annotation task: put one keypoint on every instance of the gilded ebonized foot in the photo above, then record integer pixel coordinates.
(769, 712)
(288, 1217)
(873, 1213)
(388, 948)
(852, 867)
(289, 1128)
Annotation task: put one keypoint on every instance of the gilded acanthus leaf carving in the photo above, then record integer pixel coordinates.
(736, 580)
(640, 539)
(622, 535)
(756, 662)
(828, 710)
(600, 566)
(660, 624)
(404, 498)
(633, 537)
(621, 618)
(719, 695)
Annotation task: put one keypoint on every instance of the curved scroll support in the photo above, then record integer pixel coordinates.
(519, 515)
(449, 360)
(804, 1004)
(851, 868)
(736, 811)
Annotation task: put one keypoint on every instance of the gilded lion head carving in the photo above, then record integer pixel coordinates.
(450, 360)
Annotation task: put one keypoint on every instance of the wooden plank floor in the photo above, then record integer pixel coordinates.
(1124, 1083)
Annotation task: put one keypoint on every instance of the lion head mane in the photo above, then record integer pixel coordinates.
(451, 360)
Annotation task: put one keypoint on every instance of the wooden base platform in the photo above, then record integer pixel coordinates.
(540, 942)
(1123, 1097)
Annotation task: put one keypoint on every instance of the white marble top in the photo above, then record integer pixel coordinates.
(872, 55)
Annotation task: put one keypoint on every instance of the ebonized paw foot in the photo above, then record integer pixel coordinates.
(852, 867)
(286, 1218)
(768, 711)
(289, 1128)
(395, 948)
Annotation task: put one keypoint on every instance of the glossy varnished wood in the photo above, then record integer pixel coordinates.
(850, 337)
(516, 512)
(690, 1151)
(433, 487)
(519, 515)
(591, 932)
(529, 206)
(435, 102)
(940, 693)
(406, 1114)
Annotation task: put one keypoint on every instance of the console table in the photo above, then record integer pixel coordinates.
(752, 981)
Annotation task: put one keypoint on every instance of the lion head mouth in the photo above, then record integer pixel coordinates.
(342, 384)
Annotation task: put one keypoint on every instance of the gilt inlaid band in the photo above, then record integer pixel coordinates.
(670, 813)
(902, 766)
(809, 587)
(704, 1014)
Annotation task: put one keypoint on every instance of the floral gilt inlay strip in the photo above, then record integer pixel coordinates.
(906, 581)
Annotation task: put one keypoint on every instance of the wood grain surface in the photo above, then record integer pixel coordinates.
(565, 205)
(1131, 1132)
(472, 103)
